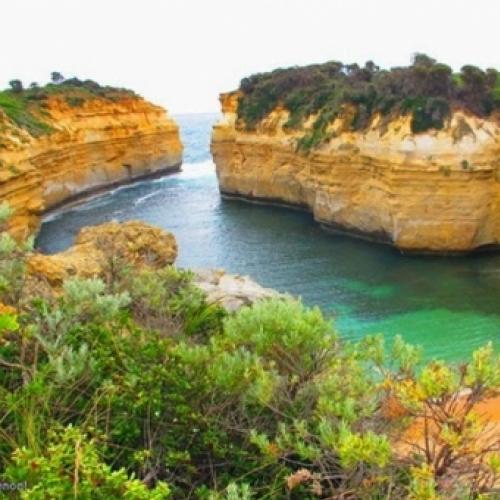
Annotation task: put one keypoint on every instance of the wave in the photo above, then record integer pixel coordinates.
(88, 203)
(141, 199)
(189, 171)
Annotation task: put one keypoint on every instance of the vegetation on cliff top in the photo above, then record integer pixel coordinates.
(27, 107)
(133, 386)
(427, 89)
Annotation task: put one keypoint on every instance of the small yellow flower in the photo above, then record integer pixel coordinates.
(5, 309)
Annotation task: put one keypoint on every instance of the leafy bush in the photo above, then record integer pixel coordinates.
(426, 89)
(12, 261)
(70, 467)
(136, 387)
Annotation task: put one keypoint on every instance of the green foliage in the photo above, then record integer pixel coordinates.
(8, 323)
(71, 467)
(5, 212)
(426, 89)
(168, 300)
(427, 113)
(56, 77)
(12, 261)
(136, 387)
(19, 109)
(75, 101)
(26, 107)
(16, 86)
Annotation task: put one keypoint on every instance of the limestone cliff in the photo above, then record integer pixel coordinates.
(436, 191)
(94, 144)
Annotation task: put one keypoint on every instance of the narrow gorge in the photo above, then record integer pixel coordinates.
(139, 360)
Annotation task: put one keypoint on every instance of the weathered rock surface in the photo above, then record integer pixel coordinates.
(135, 243)
(231, 291)
(437, 191)
(95, 145)
(138, 245)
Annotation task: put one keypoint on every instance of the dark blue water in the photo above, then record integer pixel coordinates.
(448, 305)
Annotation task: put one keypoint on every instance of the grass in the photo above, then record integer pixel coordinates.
(18, 109)
(27, 109)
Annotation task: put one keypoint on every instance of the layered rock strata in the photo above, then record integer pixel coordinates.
(437, 191)
(91, 146)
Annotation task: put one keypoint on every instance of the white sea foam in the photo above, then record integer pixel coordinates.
(142, 199)
(189, 171)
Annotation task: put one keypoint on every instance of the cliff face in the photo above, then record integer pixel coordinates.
(93, 145)
(437, 191)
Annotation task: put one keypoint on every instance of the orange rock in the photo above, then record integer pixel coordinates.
(135, 243)
(101, 143)
(488, 412)
(435, 191)
(5, 309)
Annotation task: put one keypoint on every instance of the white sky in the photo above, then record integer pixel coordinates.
(182, 53)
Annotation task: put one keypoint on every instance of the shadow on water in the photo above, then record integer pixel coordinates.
(449, 305)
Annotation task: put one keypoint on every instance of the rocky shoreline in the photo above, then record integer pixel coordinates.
(139, 246)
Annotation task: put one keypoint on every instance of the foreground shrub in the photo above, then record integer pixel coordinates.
(71, 467)
(122, 387)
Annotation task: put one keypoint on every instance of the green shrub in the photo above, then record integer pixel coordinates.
(426, 89)
(75, 101)
(138, 388)
(71, 467)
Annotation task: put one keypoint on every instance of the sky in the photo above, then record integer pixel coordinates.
(182, 53)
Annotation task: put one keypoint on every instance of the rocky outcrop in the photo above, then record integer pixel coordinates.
(98, 248)
(137, 245)
(96, 144)
(437, 191)
(231, 291)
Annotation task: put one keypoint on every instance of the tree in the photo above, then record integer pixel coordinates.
(371, 67)
(491, 77)
(473, 77)
(34, 85)
(474, 91)
(16, 85)
(420, 59)
(56, 77)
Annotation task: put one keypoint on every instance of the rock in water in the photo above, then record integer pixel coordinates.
(231, 291)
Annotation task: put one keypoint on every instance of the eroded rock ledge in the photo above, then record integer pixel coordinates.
(140, 246)
(95, 145)
(437, 191)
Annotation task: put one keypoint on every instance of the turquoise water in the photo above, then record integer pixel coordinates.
(448, 305)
